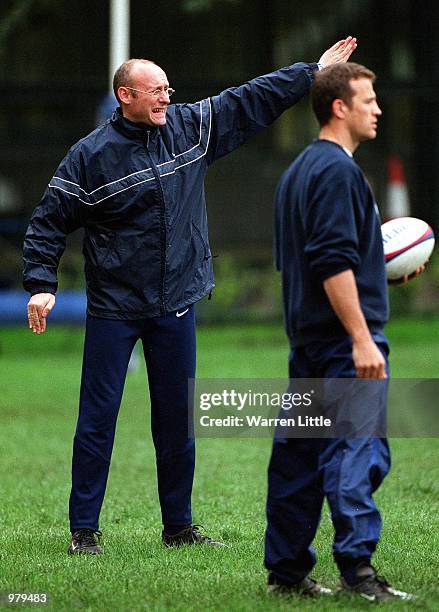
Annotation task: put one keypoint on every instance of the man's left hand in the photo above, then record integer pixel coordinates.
(405, 279)
(338, 53)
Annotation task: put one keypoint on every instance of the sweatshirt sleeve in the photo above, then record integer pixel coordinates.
(333, 221)
(56, 216)
(241, 112)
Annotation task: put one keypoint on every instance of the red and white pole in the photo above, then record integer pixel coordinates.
(398, 202)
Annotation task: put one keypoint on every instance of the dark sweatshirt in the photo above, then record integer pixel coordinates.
(327, 221)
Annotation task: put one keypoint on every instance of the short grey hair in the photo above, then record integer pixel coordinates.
(122, 76)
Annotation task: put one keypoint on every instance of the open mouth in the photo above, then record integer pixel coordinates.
(159, 112)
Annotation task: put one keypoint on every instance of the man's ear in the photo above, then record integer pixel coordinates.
(124, 95)
(339, 108)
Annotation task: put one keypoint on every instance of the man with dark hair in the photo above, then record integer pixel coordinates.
(136, 187)
(330, 254)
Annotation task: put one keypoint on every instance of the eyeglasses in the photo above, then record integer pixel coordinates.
(156, 93)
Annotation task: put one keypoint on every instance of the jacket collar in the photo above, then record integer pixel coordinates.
(136, 131)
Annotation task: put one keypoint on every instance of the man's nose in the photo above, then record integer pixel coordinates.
(164, 96)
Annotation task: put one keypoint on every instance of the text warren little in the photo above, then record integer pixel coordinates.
(259, 421)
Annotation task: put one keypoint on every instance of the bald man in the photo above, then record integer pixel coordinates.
(136, 187)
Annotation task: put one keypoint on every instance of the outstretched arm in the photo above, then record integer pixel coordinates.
(238, 113)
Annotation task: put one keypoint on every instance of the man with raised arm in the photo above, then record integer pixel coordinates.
(136, 187)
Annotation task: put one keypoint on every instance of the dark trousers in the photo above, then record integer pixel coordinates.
(303, 471)
(169, 349)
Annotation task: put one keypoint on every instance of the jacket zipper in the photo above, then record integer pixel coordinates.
(163, 233)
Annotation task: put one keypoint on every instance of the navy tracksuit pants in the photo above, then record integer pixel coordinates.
(303, 471)
(169, 349)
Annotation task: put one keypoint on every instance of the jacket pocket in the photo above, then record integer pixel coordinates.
(108, 249)
(205, 246)
(98, 247)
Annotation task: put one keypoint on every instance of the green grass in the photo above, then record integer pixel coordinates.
(38, 404)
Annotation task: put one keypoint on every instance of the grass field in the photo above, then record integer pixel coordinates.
(38, 403)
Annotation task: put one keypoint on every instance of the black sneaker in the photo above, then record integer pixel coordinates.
(189, 535)
(373, 587)
(85, 542)
(306, 588)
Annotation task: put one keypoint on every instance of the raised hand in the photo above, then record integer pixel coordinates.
(339, 53)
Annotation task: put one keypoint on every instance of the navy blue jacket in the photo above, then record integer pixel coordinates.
(327, 221)
(138, 192)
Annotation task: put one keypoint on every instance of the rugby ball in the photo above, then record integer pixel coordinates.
(408, 243)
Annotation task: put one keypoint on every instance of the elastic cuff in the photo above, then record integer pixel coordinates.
(45, 289)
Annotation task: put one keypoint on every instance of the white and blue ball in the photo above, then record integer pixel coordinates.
(408, 243)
